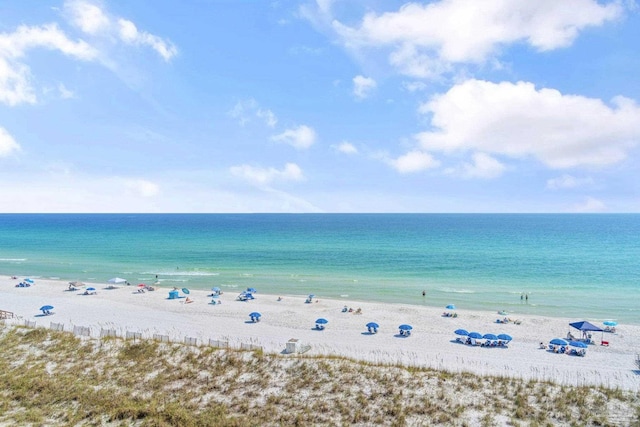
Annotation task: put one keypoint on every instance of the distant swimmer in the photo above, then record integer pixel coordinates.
(424, 293)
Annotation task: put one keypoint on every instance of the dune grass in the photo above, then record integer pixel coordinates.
(54, 378)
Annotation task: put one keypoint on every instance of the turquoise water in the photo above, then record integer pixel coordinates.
(569, 265)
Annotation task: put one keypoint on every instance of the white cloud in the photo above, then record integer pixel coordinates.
(567, 181)
(64, 92)
(362, 86)
(130, 34)
(142, 187)
(413, 161)
(265, 176)
(414, 86)
(424, 38)
(8, 145)
(301, 137)
(590, 205)
(245, 110)
(91, 19)
(88, 17)
(269, 118)
(346, 148)
(518, 121)
(15, 75)
(483, 166)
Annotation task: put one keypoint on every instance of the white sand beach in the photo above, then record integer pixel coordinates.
(431, 344)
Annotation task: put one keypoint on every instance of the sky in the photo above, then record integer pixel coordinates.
(217, 106)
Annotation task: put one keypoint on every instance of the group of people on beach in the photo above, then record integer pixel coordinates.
(346, 309)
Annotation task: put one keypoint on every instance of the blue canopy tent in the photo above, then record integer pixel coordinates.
(255, 316)
(586, 327)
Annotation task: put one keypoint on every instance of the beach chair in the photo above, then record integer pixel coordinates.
(604, 343)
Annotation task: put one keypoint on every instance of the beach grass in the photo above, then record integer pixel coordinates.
(55, 378)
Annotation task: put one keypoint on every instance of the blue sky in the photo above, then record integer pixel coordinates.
(319, 106)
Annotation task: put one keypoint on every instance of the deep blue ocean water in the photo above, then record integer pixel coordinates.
(583, 266)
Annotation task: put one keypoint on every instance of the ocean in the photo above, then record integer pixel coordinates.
(581, 266)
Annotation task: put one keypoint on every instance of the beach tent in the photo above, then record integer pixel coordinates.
(117, 281)
(585, 326)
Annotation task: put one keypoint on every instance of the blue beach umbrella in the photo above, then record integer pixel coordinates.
(185, 291)
(322, 321)
(610, 323)
(504, 337)
(405, 327)
(28, 280)
(462, 332)
(558, 341)
(491, 337)
(578, 344)
(215, 289)
(255, 314)
(373, 325)
(450, 307)
(46, 307)
(475, 335)
(91, 289)
(252, 290)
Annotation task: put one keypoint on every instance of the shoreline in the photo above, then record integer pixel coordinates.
(432, 343)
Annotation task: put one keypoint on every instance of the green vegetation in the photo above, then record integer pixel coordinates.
(53, 378)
